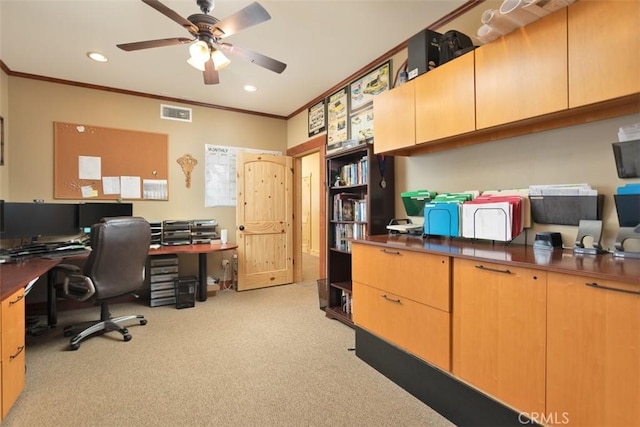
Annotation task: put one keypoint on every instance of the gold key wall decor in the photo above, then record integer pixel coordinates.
(187, 162)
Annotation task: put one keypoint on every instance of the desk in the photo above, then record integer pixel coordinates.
(202, 250)
(19, 274)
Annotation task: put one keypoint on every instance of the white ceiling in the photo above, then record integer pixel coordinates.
(323, 42)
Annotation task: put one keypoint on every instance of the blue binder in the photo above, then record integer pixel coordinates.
(442, 219)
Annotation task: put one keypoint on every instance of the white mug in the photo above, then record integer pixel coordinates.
(223, 237)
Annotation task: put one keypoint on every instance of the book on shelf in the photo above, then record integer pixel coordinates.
(344, 206)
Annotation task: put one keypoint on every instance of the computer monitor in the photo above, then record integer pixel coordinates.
(1, 216)
(33, 220)
(92, 213)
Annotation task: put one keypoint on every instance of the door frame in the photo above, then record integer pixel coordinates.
(317, 144)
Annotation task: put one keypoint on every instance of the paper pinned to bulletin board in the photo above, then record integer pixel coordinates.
(92, 162)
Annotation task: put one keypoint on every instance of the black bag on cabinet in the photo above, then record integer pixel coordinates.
(453, 44)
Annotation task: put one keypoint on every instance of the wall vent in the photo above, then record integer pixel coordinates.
(171, 112)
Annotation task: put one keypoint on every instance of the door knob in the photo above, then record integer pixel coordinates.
(241, 227)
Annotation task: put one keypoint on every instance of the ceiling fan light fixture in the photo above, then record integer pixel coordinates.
(220, 61)
(250, 88)
(199, 51)
(196, 63)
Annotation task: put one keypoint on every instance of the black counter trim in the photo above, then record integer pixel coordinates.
(461, 404)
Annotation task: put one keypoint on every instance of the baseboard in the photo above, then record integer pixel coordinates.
(456, 401)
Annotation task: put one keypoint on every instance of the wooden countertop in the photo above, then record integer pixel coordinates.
(604, 266)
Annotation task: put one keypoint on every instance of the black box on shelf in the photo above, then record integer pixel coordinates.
(424, 53)
(185, 289)
(627, 157)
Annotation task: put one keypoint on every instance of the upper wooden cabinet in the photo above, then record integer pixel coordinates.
(523, 74)
(445, 100)
(604, 50)
(395, 117)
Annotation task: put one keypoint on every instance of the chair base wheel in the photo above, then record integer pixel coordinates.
(75, 346)
(127, 337)
(143, 322)
(67, 333)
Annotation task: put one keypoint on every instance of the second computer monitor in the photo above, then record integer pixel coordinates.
(91, 213)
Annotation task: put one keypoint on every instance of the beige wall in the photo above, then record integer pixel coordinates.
(35, 105)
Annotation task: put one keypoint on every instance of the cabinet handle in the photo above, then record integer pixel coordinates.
(609, 288)
(16, 300)
(482, 267)
(390, 252)
(390, 299)
(13, 356)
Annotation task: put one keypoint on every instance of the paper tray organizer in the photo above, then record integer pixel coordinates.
(628, 209)
(566, 210)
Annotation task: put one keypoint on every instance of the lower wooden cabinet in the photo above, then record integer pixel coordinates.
(404, 297)
(417, 328)
(499, 331)
(593, 351)
(13, 349)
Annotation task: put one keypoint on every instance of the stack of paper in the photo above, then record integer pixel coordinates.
(442, 216)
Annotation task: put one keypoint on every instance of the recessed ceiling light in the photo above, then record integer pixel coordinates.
(250, 88)
(97, 56)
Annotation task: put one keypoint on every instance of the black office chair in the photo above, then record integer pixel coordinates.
(115, 267)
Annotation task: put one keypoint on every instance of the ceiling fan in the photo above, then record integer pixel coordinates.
(207, 48)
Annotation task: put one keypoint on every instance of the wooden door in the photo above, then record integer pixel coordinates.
(593, 351)
(306, 214)
(264, 217)
(603, 64)
(499, 327)
(523, 74)
(395, 116)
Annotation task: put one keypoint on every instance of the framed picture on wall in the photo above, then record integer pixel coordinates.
(337, 119)
(362, 91)
(317, 118)
(362, 126)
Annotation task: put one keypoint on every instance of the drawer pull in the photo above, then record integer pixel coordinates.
(390, 299)
(482, 267)
(16, 300)
(390, 252)
(13, 356)
(595, 285)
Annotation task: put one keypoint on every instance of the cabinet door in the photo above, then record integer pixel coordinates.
(445, 100)
(499, 327)
(421, 277)
(523, 74)
(593, 361)
(13, 347)
(604, 60)
(394, 114)
(419, 329)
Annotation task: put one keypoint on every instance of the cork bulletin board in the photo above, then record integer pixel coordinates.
(92, 162)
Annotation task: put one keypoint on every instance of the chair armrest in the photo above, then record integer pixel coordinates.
(78, 287)
(67, 268)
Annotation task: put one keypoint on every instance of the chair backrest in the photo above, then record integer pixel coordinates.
(119, 250)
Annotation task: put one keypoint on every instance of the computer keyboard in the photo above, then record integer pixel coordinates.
(63, 253)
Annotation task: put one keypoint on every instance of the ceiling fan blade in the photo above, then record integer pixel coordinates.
(211, 76)
(255, 57)
(171, 14)
(153, 43)
(244, 18)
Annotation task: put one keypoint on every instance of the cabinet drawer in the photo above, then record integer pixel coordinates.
(421, 277)
(12, 324)
(419, 329)
(12, 379)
